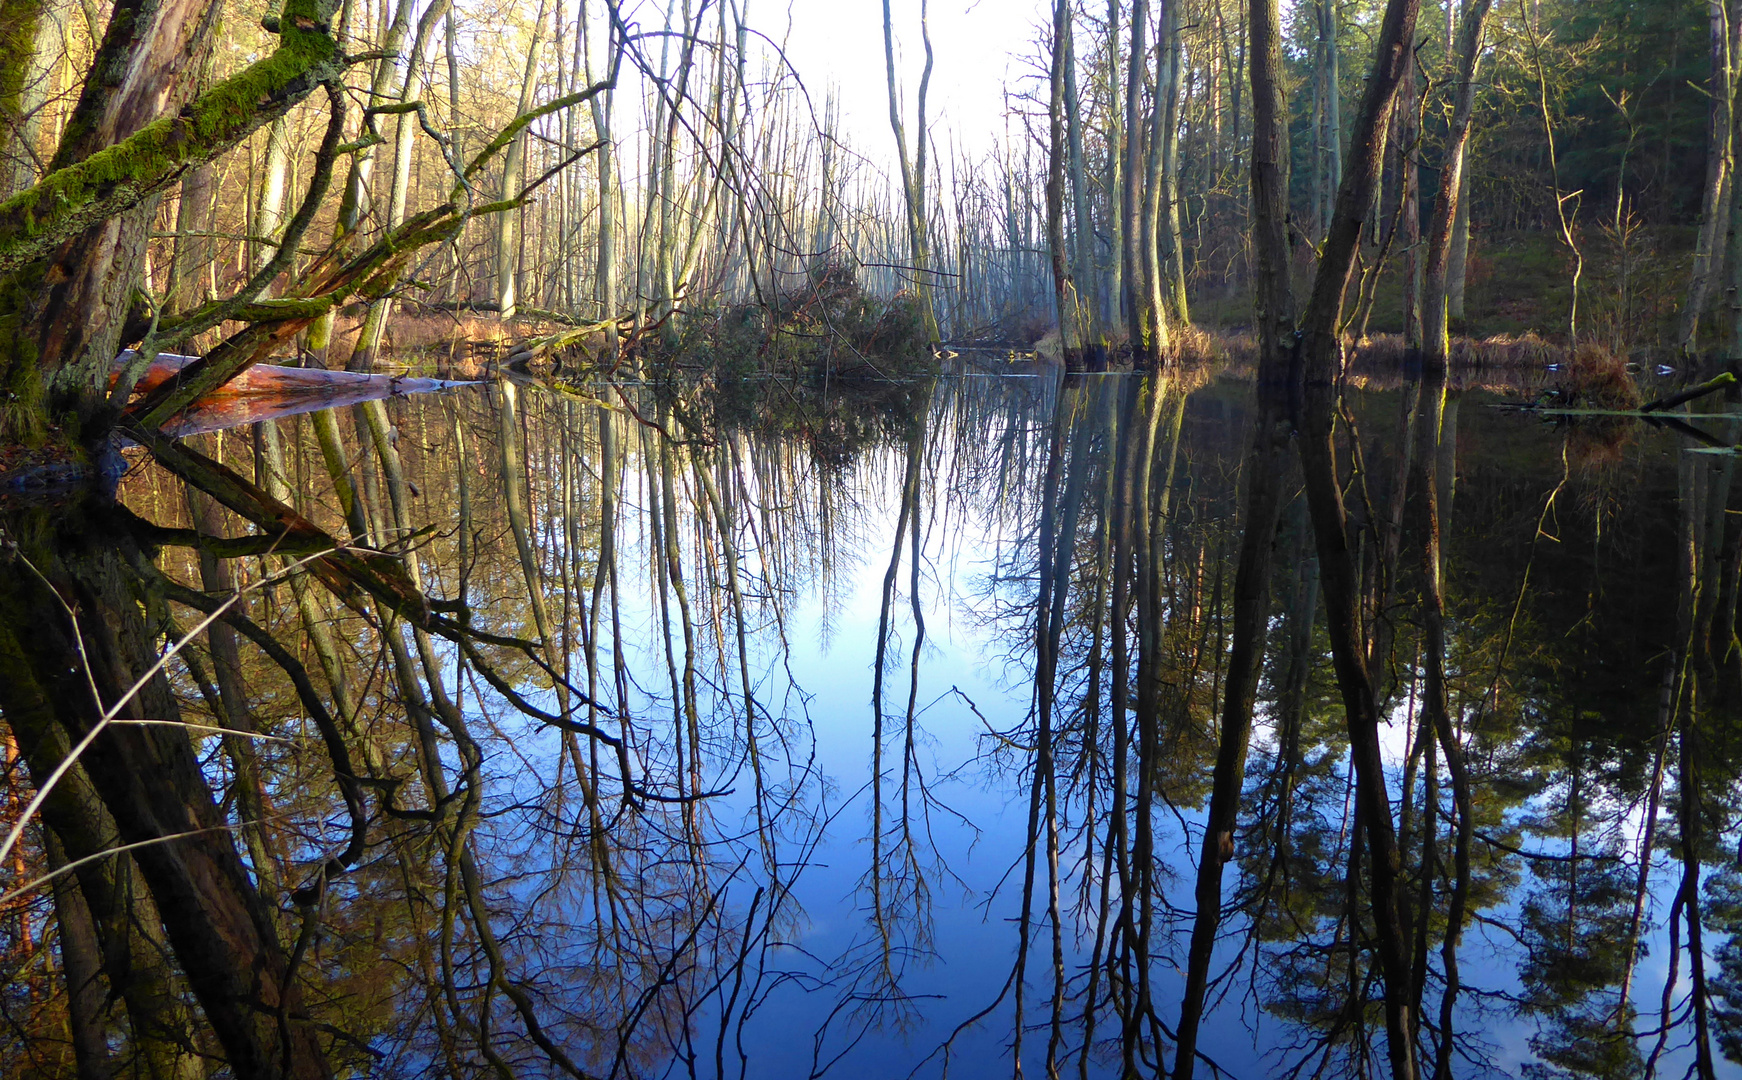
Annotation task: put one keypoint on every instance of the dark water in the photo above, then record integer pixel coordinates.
(755, 745)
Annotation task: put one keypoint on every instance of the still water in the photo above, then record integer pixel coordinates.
(773, 731)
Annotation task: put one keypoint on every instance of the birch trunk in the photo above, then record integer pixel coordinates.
(913, 175)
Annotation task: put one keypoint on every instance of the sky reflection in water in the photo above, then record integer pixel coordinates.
(831, 921)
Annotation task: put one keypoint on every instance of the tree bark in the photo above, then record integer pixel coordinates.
(1265, 475)
(1083, 231)
(1139, 286)
(81, 964)
(913, 171)
(1322, 354)
(1449, 205)
(1714, 207)
(1113, 291)
(1071, 335)
(508, 223)
(72, 245)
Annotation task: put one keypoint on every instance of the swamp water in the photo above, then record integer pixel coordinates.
(783, 718)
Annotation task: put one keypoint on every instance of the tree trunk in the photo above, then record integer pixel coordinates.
(1172, 285)
(508, 223)
(22, 105)
(1457, 268)
(605, 275)
(72, 246)
(1449, 206)
(913, 175)
(1083, 285)
(405, 130)
(1138, 287)
(1322, 355)
(271, 217)
(1071, 337)
(190, 269)
(1113, 290)
(1714, 207)
(81, 964)
(1152, 310)
(1409, 153)
(1265, 476)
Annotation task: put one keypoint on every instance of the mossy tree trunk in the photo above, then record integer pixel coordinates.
(72, 245)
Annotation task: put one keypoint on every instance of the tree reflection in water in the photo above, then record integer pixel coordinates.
(637, 731)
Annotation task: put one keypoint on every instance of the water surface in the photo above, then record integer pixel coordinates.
(867, 732)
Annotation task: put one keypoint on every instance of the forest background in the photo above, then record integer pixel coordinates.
(712, 176)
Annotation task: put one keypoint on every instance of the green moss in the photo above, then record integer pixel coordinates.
(18, 23)
(23, 415)
(71, 199)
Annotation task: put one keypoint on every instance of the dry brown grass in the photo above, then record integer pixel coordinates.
(1598, 379)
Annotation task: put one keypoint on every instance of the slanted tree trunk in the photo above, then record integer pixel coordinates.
(1321, 347)
(356, 205)
(149, 779)
(1432, 440)
(1714, 203)
(406, 126)
(22, 102)
(72, 246)
(72, 330)
(375, 323)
